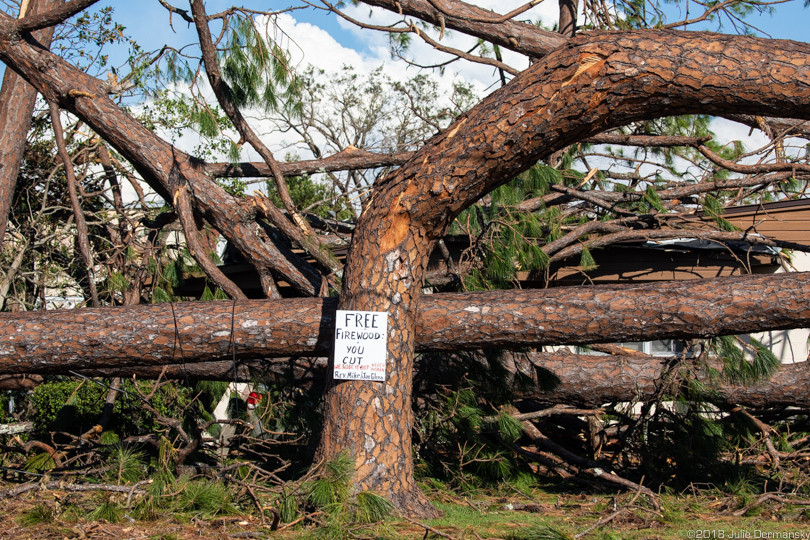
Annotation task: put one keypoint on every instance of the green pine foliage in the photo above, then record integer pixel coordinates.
(744, 363)
(654, 200)
(586, 260)
(287, 505)
(160, 296)
(332, 487)
(117, 282)
(42, 461)
(330, 492)
(108, 511)
(509, 428)
(713, 208)
(127, 463)
(507, 240)
(40, 513)
(204, 497)
(540, 532)
(466, 442)
(258, 71)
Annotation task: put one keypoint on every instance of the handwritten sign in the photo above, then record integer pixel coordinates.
(361, 338)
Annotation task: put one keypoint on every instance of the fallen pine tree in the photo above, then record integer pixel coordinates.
(582, 379)
(131, 337)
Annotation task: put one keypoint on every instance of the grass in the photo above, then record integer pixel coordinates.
(108, 511)
(560, 516)
(36, 515)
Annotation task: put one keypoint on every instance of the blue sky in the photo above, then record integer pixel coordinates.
(147, 21)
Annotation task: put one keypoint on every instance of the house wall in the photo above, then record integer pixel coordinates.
(788, 221)
(789, 346)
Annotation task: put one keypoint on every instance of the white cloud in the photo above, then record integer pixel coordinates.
(727, 131)
(482, 76)
(310, 44)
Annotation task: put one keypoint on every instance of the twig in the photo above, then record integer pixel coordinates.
(290, 524)
(770, 497)
(521, 493)
(429, 528)
(548, 412)
(134, 487)
(59, 485)
(614, 515)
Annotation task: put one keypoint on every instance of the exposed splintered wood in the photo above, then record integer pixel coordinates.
(57, 341)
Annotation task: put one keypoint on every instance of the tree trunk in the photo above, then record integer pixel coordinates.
(144, 335)
(568, 17)
(593, 380)
(372, 421)
(585, 380)
(18, 98)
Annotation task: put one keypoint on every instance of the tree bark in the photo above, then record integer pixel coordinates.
(466, 18)
(585, 380)
(144, 335)
(18, 98)
(349, 159)
(592, 380)
(78, 214)
(568, 17)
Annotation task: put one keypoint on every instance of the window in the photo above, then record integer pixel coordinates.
(658, 347)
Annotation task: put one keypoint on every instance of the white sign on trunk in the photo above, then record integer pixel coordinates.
(361, 339)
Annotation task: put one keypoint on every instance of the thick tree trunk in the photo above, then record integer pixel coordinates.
(17, 98)
(585, 380)
(376, 431)
(592, 380)
(144, 335)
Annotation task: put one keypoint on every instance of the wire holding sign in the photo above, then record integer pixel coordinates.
(361, 339)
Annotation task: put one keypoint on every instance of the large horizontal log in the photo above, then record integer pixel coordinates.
(58, 341)
(591, 380)
(584, 380)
